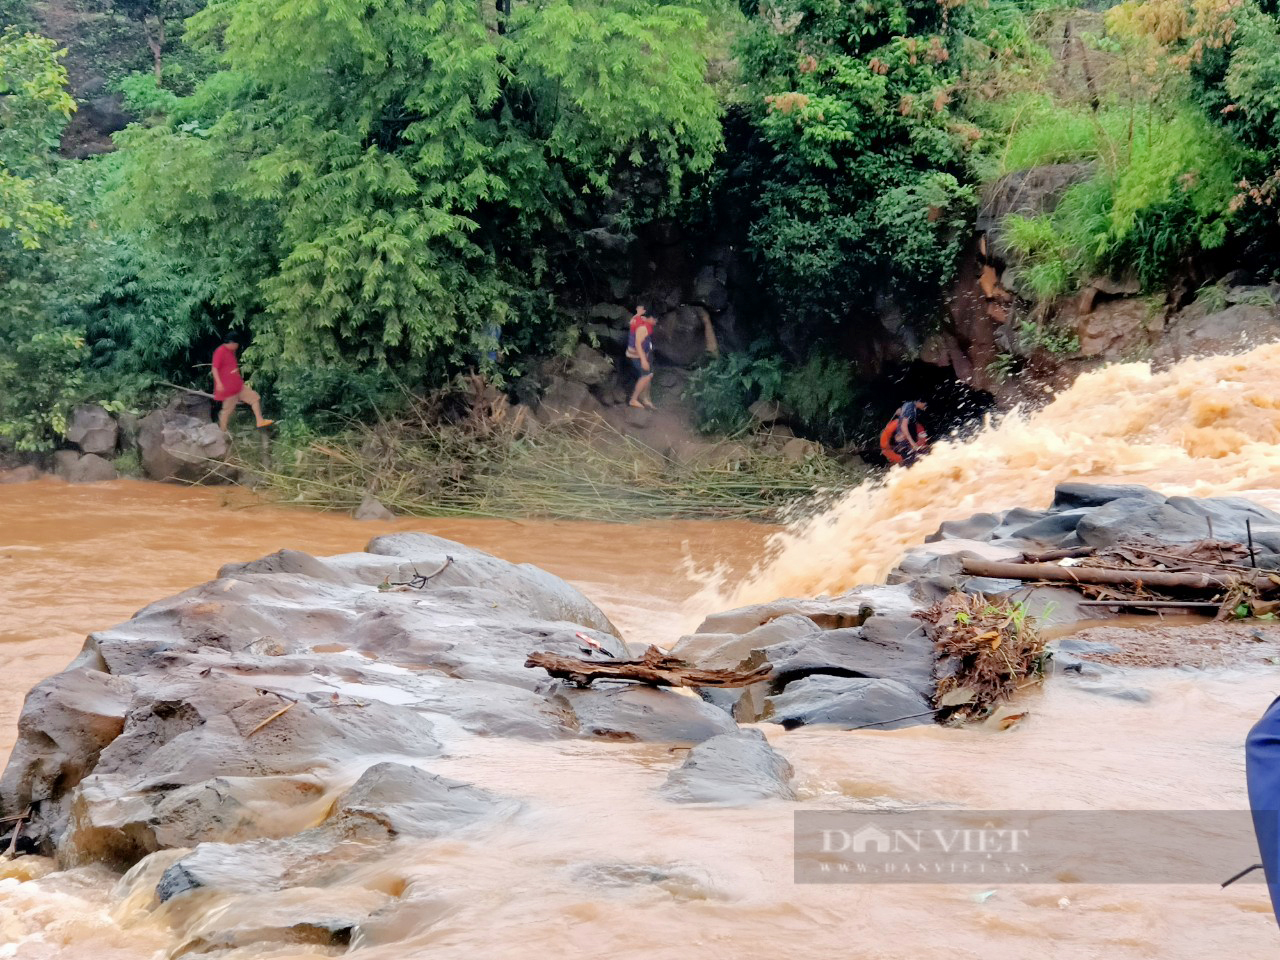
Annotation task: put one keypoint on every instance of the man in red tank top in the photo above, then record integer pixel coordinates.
(229, 387)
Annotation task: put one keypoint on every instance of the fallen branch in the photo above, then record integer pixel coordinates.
(880, 723)
(279, 713)
(654, 668)
(1114, 576)
(1206, 563)
(198, 393)
(17, 832)
(420, 580)
(1065, 553)
(1181, 604)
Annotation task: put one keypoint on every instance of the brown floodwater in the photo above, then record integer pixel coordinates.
(74, 559)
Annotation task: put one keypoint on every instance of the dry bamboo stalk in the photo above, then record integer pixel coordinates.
(279, 713)
(1111, 575)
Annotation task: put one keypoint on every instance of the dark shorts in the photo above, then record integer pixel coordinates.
(638, 367)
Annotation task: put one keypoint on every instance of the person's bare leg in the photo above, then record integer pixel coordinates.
(639, 389)
(647, 399)
(638, 392)
(228, 408)
(255, 404)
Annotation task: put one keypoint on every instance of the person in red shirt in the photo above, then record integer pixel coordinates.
(640, 353)
(229, 387)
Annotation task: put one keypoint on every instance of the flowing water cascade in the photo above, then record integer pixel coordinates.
(1205, 427)
(597, 863)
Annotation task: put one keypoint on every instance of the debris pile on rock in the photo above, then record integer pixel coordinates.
(987, 651)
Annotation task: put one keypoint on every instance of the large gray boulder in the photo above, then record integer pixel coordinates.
(680, 338)
(884, 648)
(731, 768)
(77, 467)
(709, 288)
(566, 399)
(176, 446)
(589, 366)
(1179, 520)
(65, 724)
(632, 713)
(230, 717)
(854, 703)
(724, 651)
(1196, 332)
(866, 634)
(93, 430)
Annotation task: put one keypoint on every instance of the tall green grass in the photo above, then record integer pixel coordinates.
(1162, 190)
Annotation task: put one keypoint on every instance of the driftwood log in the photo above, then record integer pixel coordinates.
(1107, 576)
(654, 668)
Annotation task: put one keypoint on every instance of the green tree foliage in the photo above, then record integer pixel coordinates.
(39, 360)
(386, 185)
(1176, 112)
(863, 185)
(34, 107)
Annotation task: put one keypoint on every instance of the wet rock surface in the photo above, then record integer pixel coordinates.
(862, 660)
(174, 445)
(731, 768)
(261, 736)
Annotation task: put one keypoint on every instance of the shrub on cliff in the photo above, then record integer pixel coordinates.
(862, 173)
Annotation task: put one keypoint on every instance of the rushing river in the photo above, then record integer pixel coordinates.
(73, 559)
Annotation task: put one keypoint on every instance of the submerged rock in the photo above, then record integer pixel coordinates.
(731, 768)
(389, 800)
(850, 702)
(371, 508)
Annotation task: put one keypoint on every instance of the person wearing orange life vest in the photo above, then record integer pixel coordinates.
(903, 439)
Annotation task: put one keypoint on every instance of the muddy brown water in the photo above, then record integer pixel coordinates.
(720, 882)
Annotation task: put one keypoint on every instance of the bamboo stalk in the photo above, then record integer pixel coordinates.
(279, 713)
(1108, 575)
(1182, 604)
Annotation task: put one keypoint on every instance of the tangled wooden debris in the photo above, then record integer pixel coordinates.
(655, 668)
(987, 650)
(1145, 575)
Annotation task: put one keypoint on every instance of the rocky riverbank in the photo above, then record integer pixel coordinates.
(273, 729)
(486, 457)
